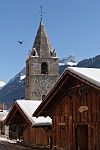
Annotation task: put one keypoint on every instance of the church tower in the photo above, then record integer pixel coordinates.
(41, 67)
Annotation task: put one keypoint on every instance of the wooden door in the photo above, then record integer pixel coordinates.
(82, 137)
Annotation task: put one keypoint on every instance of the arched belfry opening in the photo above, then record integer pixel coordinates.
(44, 68)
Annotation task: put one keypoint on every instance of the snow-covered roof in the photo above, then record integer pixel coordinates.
(29, 107)
(3, 115)
(89, 74)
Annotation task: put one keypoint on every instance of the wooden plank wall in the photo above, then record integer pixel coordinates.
(66, 118)
(35, 135)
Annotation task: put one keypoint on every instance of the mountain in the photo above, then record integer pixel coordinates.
(70, 60)
(15, 88)
(90, 63)
(86, 63)
(66, 62)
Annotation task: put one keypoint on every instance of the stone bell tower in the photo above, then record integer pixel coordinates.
(41, 67)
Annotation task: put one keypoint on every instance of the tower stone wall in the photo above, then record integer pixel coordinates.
(41, 67)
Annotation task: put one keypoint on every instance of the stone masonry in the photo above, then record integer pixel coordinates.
(41, 67)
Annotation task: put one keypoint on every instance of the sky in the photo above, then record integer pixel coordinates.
(72, 26)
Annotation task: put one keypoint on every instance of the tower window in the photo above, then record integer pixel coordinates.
(44, 68)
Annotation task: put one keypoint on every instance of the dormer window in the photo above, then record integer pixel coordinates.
(44, 68)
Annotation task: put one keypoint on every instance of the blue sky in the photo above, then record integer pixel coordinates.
(73, 27)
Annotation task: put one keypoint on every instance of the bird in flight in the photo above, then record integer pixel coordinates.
(20, 42)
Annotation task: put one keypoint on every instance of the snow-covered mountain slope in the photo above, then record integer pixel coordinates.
(14, 89)
(20, 76)
(2, 84)
(70, 61)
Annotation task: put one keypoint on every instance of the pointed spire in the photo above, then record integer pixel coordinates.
(41, 43)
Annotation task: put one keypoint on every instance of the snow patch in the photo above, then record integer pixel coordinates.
(2, 84)
(3, 114)
(5, 139)
(22, 76)
(72, 64)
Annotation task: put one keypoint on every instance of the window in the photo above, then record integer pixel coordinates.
(44, 69)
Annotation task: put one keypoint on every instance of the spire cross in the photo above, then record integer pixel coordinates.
(41, 12)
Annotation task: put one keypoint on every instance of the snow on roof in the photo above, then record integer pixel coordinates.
(3, 115)
(29, 107)
(90, 74)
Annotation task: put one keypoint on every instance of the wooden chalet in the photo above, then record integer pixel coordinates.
(74, 106)
(21, 121)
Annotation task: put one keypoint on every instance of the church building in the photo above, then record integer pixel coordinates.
(41, 67)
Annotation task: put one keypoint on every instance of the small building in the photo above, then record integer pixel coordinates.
(4, 130)
(20, 122)
(74, 106)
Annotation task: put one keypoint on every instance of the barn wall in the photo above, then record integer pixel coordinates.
(40, 136)
(67, 116)
(26, 134)
(35, 135)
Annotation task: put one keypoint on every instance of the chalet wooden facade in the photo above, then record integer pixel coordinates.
(74, 106)
(21, 121)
